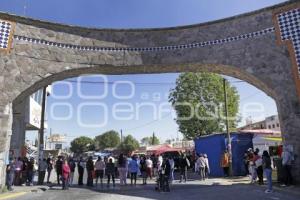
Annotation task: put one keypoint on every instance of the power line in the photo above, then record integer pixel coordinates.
(148, 123)
(135, 83)
(114, 82)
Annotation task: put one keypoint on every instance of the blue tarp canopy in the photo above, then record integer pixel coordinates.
(214, 146)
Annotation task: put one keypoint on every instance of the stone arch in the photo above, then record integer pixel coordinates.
(35, 53)
(212, 68)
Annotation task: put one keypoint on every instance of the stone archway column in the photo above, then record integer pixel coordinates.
(5, 134)
(289, 114)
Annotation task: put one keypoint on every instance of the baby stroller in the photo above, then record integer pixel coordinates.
(162, 182)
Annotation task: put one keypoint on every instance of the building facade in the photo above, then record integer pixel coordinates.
(27, 119)
(271, 123)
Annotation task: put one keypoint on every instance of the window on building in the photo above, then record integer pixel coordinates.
(269, 126)
(273, 125)
(277, 124)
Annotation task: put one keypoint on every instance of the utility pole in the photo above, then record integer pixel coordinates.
(153, 138)
(41, 131)
(50, 140)
(227, 128)
(121, 136)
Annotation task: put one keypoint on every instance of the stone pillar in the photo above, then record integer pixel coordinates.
(18, 129)
(289, 114)
(5, 133)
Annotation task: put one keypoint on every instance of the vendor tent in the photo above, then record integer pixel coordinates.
(214, 146)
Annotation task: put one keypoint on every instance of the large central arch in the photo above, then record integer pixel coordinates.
(259, 47)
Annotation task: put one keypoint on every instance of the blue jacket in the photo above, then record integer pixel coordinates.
(133, 166)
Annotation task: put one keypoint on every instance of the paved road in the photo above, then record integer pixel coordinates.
(213, 189)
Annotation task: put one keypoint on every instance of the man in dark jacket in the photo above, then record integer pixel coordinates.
(183, 165)
(165, 171)
(90, 170)
(80, 167)
(58, 167)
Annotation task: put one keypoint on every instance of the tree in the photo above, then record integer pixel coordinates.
(82, 144)
(145, 141)
(129, 144)
(198, 99)
(109, 139)
(153, 140)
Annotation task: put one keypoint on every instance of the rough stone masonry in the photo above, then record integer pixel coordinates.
(246, 47)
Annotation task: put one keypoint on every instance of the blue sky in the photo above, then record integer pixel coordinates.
(132, 14)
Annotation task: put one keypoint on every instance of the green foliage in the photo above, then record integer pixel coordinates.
(109, 139)
(198, 99)
(153, 140)
(129, 144)
(82, 144)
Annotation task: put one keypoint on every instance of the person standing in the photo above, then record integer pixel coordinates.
(143, 169)
(133, 169)
(225, 163)
(154, 161)
(287, 159)
(80, 167)
(18, 171)
(24, 176)
(266, 163)
(10, 172)
(122, 164)
(31, 169)
(165, 171)
(49, 168)
(100, 167)
(149, 165)
(201, 166)
(90, 171)
(172, 167)
(110, 172)
(65, 175)
(246, 162)
(259, 169)
(72, 166)
(58, 168)
(207, 169)
(42, 171)
(183, 164)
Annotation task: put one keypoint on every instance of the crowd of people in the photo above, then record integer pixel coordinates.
(257, 165)
(22, 171)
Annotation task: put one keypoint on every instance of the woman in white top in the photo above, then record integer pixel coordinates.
(207, 169)
(99, 167)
